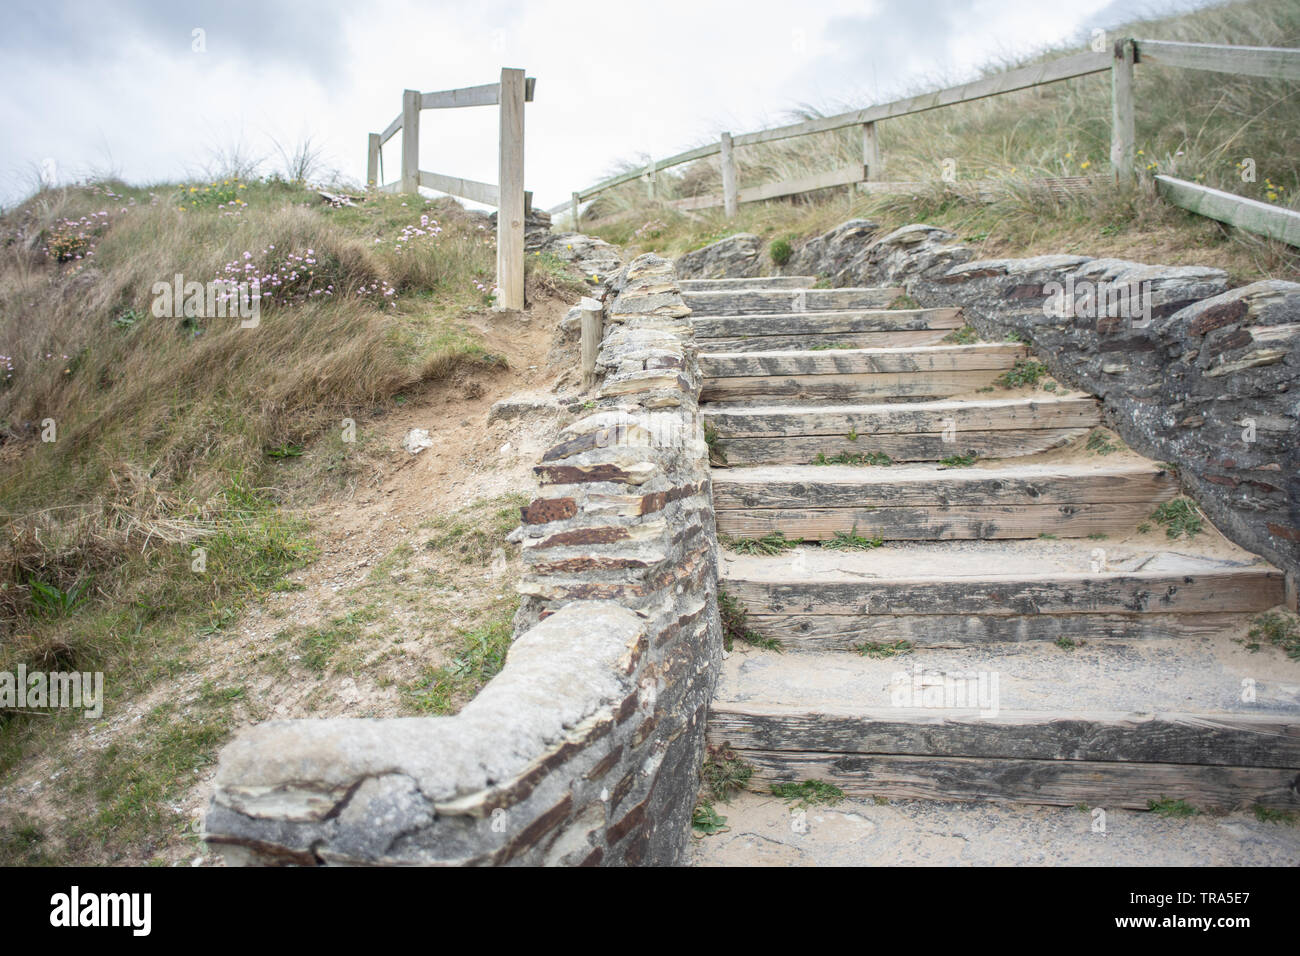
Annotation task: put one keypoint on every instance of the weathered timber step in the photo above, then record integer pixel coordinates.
(756, 282)
(842, 375)
(739, 302)
(883, 328)
(922, 431)
(926, 503)
(959, 593)
(1024, 723)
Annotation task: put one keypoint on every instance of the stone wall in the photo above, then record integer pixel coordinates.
(1189, 371)
(586, 748)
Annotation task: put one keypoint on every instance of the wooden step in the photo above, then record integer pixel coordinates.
(922, 431)
(737, 285)
(848, 375)
(922, 502)
(750, 301)
(884, 328)
(1023, 723)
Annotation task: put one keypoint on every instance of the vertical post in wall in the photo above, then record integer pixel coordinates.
(1123, 134)
(510, 199)
(593, 318)
(577, 221)
(372, 162)
(729, 192)
(871, 152)
(410, 141)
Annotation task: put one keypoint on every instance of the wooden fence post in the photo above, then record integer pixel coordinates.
(510, 208)
(871, 151)
(577, 221)
(411, 141)
(372, 162)
(1123, 134)
(729, 198)
(593, 317)
(650, 180)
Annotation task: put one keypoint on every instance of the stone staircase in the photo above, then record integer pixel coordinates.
(971, 612)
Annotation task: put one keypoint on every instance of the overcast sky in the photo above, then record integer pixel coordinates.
(94, 86)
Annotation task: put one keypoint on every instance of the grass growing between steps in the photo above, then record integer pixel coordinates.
(1282, 817)
(1279, 630)
(959, 461)
(722, 776)
(767, 545)
(881, 651)
(1179, 517)
(852, 541)
(1102, 442)
(1172, 809)
(735, 625)
(808, 793)
(874, 458)
(1024, 373)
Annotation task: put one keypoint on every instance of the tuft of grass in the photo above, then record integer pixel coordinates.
(724, 774)
(1180, 518)
(825, 346)
(852, 541)
(781, 251)
(847, 458)
(1023, 373)
(1099, 443)
(735, 625)
(808, 793)
(1067, 643)
(317, 647)
(959, 461)
(1278, 630)
(890, 649)
(966, 335)
(1269, 815)
(706, 821)
(1172, 809)
(481, 655)
(716, 455)
(774, 543)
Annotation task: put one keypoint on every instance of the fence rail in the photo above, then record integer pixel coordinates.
(1269, 62)
(509, 196)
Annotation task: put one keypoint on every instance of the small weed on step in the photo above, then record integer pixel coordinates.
(1179, 517)
(1024, 372)
(852, 541)
(1279, 630)
(724, 774)
(890, 649)
(1172, 809)
(808, 793)
(878, 458)
(735, 625)
(767, 545)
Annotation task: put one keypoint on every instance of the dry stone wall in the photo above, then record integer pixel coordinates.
(586, 748)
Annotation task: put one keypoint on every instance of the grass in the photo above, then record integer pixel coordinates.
(1099, 442)
(1276, 629)
(808, 793)
(1179, 517)
(1172, 809)
(849, 458)
(852, 541)
(479, 658)
(1067, 643)
(1024, 373)
(959, 461)
(1190, 124)
(735, 625)
(1282, 817)
(724, 774)
(890, 649)
(966, 335)
(706, 821)
(716, 455)
(769, 544)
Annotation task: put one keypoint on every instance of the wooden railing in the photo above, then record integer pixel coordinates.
(508, 196)
(1119, 61)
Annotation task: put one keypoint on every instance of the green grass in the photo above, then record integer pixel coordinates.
(716, 455)
(884, 650)
(474, 534)
(1276, 629)
(1067, 643)
(724, 774)
(808, 793)
(852, 541)
(479, 658)
(319, 645)
(966, 335)
(706, 821)
(735, 625)
(1283, 817)
(780, 251)
(1179, 517)
(825, 346)
(959, 461)
(1024, 372)
(1172, 809)
(773, 543)
(1099, 443)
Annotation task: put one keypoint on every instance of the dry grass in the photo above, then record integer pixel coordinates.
(1191, 124)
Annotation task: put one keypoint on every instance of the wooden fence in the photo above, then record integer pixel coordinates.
(509, 196)
(1271, 62)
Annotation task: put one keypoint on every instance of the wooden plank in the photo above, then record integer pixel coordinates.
(510, 207)
(846, 388)
(823, 323)
(844, 176)
(410, 141)
(1064, 783)
(1233, 589)
(842, 632)
(858, 340)
(791, 301)
(871, 152)
(1123, 137)
(485, 193)
(1276, 222)
(875, 420)
(592, 319)
(803, 449)
(935, 358)
(391, 130)
(729, 183)
(372, 160)
(751, 282)
(1050, 71)
(1220, 739)
(489, 94)
(1271, 62)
